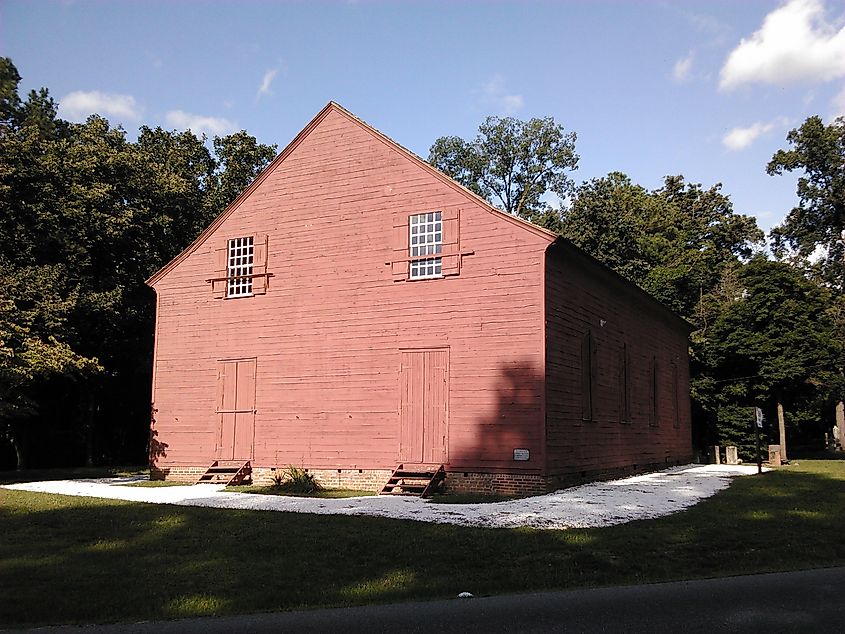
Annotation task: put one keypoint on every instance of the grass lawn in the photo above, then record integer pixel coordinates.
(81, 560)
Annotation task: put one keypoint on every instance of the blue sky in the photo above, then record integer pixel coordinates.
(704, 89)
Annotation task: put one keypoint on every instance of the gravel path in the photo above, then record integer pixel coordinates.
(589, 505)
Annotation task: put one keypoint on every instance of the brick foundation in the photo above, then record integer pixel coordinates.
(516, 484)
(358, 479)
(177, 474)
(495, 483)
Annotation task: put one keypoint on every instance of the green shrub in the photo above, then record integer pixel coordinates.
(295, 480)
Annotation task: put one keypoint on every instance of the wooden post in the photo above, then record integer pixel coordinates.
(782, 433)
(758, 425)
(840, 423)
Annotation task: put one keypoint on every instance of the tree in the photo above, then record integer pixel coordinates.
(819, 219)
(240, 158)
(512, 164)
(34, 308)
(85, 217)
(674, 242)
(773, 342)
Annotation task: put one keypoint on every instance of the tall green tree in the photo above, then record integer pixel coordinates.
(674, 241)
(818, 151)
(513, 164)
(85, 217)
(773, 339)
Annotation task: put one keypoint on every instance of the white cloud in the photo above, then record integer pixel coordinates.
(796, 43)
(199, 124)
(682, 68)
(269, 76)
(740, 138)
(818, 254)
(78, 105)
(494, 94)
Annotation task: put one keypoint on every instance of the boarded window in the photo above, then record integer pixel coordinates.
(654, 396)
(587, 361)
(624, 385)
(676, 410)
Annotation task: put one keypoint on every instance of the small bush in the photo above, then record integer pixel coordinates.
(295, 480)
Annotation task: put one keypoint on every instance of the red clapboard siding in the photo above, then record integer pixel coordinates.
(582, 297)
(329, 332)
(350, 366)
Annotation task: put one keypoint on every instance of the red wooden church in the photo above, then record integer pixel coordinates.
(355, 309)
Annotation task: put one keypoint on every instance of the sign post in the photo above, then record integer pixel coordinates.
(758, 415)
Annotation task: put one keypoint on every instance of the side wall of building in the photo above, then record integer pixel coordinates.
(617, 379)
(328, 335)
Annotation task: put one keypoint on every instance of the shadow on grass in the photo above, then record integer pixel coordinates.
(108, 560)
(70, 473)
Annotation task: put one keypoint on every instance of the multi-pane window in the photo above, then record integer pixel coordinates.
(426, 238)
(239, 267)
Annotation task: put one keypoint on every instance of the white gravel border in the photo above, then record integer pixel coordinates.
(586, 506)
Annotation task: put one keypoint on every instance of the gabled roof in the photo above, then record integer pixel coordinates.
(566, 246)
(334, 107)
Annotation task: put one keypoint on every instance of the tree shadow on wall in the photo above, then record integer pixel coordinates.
(509, 425)
(157, 448)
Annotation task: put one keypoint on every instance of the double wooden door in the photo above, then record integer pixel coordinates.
(424, 406)
(236, 409)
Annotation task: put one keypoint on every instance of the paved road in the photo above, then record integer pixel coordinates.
(808, 601)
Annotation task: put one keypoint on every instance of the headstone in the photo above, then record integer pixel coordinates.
(774, 456)
(714, 454)
(731, 456)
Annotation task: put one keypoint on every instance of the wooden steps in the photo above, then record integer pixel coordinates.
(418, 480)
(228, 472)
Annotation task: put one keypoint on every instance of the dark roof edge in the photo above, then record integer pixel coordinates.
(649, 299)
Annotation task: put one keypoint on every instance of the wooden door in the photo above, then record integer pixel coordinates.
(236, 409)
(424, 406)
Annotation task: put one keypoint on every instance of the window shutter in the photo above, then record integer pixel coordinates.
(624, 392)
(676, 406)
(587, 376)
(218, 283)
(399, 248)
(259, 266)
(654, 392)
(451, 242)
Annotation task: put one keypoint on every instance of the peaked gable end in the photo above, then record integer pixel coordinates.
(333, 107)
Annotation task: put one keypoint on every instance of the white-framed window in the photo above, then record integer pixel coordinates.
(239, 261)
(426, 238)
